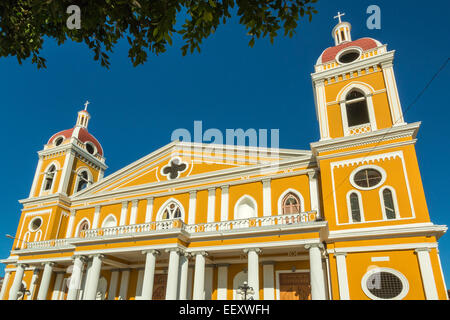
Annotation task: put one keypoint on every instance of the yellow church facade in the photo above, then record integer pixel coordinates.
(346, 220)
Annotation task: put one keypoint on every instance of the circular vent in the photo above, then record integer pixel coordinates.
(385, 284)
(349, 56)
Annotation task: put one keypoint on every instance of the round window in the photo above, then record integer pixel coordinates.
(90, 148)
(35, 224)
(349, 56)
(58, 141)
(368, 177)
(385, 284)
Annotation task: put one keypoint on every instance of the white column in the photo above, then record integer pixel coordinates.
(183, 280)
(123, 214)
(199, 276)
(211, 204)
(314, 192)
(70, 224)
(66, 172)
(267, 198)
(36, 177)
(34, 282)
(192, 206)
(392, 93)
(172, 274)
(139, 284)
(96, 217)
(94, 275)
(224, 203)
(17, 283)
(253, 270)
(190, 283)
(133, 213)
(341, 264)
(316, 272)
(149, 274)
(5, 284)
(426, 271)
(222, 281)
(75, 278)
(124, 280)
(113, 284)
(209, 273)
(45, 282)
(149, 210)
(269, 281)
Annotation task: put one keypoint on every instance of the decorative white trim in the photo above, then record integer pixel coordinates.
(369, 166)
(394, 200)
(402, 278)
(108, 218)
(348, 50)
(224, 203)
(180, 161)
(211, 209)
(164, 206)
(297, 193)
(192, 206)
(149, 210)
(31, 221)
(349, 207)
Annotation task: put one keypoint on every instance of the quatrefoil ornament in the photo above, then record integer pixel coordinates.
(174, 168)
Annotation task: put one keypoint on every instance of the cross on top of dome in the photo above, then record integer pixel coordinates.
(339, 15)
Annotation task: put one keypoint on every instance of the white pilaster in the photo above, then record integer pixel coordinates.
(94, 275)
(314, 192)
(124, 280)
(269, 280)
(192, 206)
(149, 210)
(224, 203)
(211, 204)
(149, 274)
(66, 172)
(123, 214)
(253, 270)
(75, 278)
(70, 224)
(45, 282)
(5, 284)
(199, 276)
(113, 285)
(172, 275)
(133, 213)
(222, 281)
(267, 198)
(392, 93)
(57, 289)
(183, 278)
(36, 177)
(321, 108)
(426, 271)
(341, 264)
(96, 217)
(316, 272)
(14, 291)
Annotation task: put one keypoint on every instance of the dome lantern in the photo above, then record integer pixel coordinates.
(342, 31)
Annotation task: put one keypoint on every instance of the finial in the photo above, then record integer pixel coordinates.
(86, 105)
(339, 15)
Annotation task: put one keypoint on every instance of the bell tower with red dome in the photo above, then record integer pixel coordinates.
(71, 161)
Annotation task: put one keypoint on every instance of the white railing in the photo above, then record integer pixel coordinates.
(251, 223)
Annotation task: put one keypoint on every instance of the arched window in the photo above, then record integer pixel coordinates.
(357, 110)
(171, 211)
(83, 180)
(355, 209)
(83, 227)
(291, 204)
(245, 208)
(389, 204)
(109, 222)
(49, 177)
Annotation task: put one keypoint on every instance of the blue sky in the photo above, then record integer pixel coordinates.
(227, 85)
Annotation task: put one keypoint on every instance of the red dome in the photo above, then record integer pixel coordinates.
(83, 135)
(363, 43)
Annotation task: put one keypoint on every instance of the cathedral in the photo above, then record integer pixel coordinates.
(345, 220)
